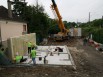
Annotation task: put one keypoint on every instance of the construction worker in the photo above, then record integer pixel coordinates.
(84, 41)
(45, 59)
(33, 55)
(20, 59)
(29, 47)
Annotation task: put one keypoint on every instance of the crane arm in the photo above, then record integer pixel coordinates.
(61, 24)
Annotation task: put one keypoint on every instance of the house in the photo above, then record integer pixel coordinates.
(10, 27)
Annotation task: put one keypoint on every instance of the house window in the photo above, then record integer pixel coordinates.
(24, 28)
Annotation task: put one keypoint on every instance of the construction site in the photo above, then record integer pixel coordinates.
(34, 45)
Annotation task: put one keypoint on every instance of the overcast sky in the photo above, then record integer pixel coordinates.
(71, 10)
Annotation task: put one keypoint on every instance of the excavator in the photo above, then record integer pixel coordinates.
(64, 33)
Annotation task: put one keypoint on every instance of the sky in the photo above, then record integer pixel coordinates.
(71, 10)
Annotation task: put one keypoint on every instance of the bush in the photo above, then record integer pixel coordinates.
(98, 36)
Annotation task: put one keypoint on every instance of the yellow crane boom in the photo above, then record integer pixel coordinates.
(63, 31)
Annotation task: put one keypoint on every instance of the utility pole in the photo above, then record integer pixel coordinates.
(102, 21)
(77, 23)
(37, 4)
(89, 17)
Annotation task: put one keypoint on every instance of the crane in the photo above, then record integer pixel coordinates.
(64, 33)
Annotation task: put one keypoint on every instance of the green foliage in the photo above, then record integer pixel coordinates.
(98, 35)
(94, 27)
(19, 7)
(54, 29)
(97, 23)
(70, 24)
(37, 20)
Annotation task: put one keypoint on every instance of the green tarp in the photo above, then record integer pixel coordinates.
(4, 60)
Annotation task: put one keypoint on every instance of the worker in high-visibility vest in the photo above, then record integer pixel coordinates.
(33, 55)
(29, 47)
(20, 59)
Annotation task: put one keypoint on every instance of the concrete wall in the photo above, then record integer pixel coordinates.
(10, 29)
(18, 45)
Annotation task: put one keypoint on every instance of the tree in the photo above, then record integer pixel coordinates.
(94, 27)
(54, 29)
(19, 7)
(37, 20)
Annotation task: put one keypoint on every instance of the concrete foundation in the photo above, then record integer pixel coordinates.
(48, 55)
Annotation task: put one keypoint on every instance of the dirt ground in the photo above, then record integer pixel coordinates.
(89, 63)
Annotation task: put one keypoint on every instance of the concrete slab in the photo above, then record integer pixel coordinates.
(56, 58)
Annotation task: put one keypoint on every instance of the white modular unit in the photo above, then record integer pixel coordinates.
(79, 32)
(75, 32)
(71, 32)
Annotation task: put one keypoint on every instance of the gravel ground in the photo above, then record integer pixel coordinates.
(89, 63)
